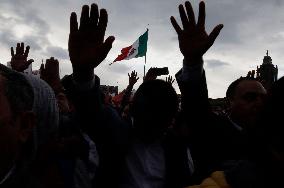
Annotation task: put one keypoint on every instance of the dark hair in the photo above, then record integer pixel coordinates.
(232, 87)
(155, 97)
(271, 126)
(17, 90)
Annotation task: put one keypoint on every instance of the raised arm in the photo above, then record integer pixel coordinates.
(193, 43)
(87, 45)
(19, 60)
(170, 79)
(193, 39)
(133, 78)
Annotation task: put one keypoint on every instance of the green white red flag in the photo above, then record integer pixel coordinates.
(137, 49)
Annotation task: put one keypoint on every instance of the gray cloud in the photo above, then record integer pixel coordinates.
(118, 68)
(57, 52)
(250, 27)
(7, 38)
(19, 13)
(215, 63)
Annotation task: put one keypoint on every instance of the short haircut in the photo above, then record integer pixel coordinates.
(270, 126)
(231, 91)
(157, 97)
(17, 90)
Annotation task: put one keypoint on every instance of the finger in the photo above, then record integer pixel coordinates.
(128, 75)
(173, 81)
(214, 34)
(56, 66)
(12, 52)
(30, 61)
(102, 25)
(107, 45)
(253, 73)
(22, 48)
(52, 65)
(41, 67)
(175, 25)
(201, 15)
(190, 14)
(183, 17)
(73, 23)
(84, 20)
(18, 48)
(42, 71)
(27, 51)
(47, 65)
(137, 78)
(94, 15)
(248, 74)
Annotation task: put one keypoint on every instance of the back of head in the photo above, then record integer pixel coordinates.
(271, 119)
(155, 104)
(46, 109)
(268, 136)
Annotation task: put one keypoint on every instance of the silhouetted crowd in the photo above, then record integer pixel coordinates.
(67, 133)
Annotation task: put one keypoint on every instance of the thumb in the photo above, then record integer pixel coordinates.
(105, 48)
(108, 44)
(214, 34)
(30, 61)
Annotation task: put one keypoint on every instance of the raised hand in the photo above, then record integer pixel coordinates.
(251, 74)
(87, 47)
(19, 60)
(150, 75)
(133, 78)
(193, 39)
(170, 79)
(50, 74)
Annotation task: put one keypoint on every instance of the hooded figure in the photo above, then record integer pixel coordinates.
(29, 118)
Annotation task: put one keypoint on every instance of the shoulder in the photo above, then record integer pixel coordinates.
(216, 180)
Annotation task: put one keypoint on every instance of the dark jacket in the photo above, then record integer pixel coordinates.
(214, 141)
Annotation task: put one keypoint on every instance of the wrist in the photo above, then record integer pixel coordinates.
(130, 86)
(83, 74)
(193, 60)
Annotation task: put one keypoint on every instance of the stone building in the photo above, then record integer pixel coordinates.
(267, 72)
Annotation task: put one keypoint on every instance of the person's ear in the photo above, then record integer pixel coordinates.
(27, 123)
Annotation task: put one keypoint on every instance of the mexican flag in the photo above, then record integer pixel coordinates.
(137, 49)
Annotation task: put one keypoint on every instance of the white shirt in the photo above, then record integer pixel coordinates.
(145, 166)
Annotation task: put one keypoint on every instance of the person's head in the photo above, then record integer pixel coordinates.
(16, 117)
(154, 106)
(28, 116)
(246, 97)
(271, 123)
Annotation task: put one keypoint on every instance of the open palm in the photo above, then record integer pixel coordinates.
(87, 48)
(193, 38)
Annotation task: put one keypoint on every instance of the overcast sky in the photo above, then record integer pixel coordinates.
(250, 28)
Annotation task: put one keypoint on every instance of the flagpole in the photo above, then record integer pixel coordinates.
(144, 65)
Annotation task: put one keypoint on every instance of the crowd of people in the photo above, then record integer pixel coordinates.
(66, 133)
